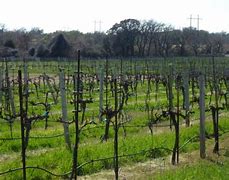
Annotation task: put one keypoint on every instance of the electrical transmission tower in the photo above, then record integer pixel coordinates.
(198, 21)
(99, 23)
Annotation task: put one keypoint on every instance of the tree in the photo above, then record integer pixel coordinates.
(191, 36)
(179, 42)
(93, 46)
(128, 38)
(107, 45)
(165, 40)
(145, 36)
(59, 47)
(23, 38)
(124, 34)
(36, 31)
(217, 43)
(2, 29)
(150, 36)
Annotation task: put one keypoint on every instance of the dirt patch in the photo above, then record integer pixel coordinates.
(15, 156)
(8, 157)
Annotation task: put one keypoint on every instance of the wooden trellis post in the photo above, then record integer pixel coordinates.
(202, 116)
(11, 98)
(44, 82)
(215, 111)
(76, 112)
(26, 77)
(170, 88)
(101, 78)
(22, 115)
(6, 88)
(64, 108)
(106, 105)
(116, 132)
(46, 78)
(1, 83)
(178, 115)
(186, 99)
(13, 76)
(26, 85)
(175, 118)
(170, 95)
(136, 82)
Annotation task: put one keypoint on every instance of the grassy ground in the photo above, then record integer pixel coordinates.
(53, 155)
(191, 166)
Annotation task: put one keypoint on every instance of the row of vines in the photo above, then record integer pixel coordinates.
(106, 101)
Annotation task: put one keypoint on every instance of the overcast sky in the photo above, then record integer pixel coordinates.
(52, 15)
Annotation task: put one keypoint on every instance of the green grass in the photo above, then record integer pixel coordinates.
(52, 154)
(202, 170)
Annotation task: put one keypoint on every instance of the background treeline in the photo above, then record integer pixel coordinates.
(128, 38)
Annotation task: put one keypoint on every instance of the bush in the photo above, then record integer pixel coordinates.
(10, 44)
(32, 51)
(42, 51)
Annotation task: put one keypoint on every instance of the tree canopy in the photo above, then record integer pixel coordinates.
(127, 38)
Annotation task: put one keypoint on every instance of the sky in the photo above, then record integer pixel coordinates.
(53, 15)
